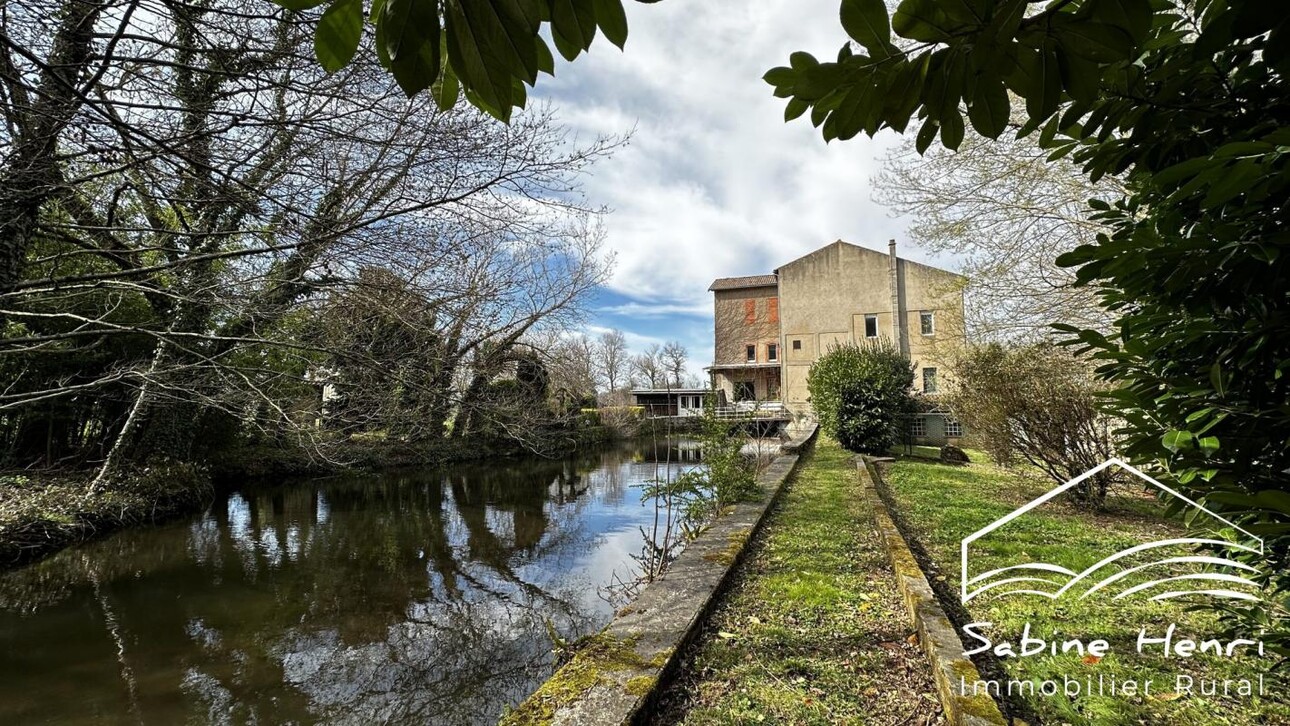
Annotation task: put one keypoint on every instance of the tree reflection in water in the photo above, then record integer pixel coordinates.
(418, 597)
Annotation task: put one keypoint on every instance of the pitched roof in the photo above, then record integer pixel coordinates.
(737, 283)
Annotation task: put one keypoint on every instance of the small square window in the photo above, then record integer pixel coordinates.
(797, 345)
(772, 352)
(953, 429)
(871, 326)
(929, 380)
(927, 322)
(750, 353)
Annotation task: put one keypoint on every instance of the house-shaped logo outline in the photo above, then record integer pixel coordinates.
(966, 580)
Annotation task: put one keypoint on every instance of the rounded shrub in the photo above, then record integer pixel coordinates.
(859, 392)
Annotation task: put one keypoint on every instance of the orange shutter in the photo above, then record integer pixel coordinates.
(772, 309)
(750, 311)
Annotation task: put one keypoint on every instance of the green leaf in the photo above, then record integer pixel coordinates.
(337, 35)
(1098, 42)
(613, 21)
(1081, 78)
(866, 22)
(988, 109)
(801, 60)
(796, 107)
(1046, 94)
(575, 21)
(546, 61)
(926, 134)
(781, 77)
(1274, 499)
(1216, 378)
(408, 23)
(1177, 440)
(487, 81)
(952, 130)
(408, 42)
(921, 20)
(505, 35)
(447, 89)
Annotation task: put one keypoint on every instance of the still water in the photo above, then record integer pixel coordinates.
(414, 597)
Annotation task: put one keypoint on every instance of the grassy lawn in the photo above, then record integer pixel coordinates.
(813, 631)
(943, 504)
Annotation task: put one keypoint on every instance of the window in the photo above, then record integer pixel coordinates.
(929, 380)
(750, 311)
(953, 429)
(797, 345)
(772, 352)
(871, 326)
(927, 322)
(772, 310)
(918, 427)
(750, 353)
(744, 391)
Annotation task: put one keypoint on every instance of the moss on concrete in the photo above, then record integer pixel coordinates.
(640, 685)
(597, 657)
(734, 545)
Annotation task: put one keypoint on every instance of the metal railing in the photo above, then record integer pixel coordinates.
(752, 410)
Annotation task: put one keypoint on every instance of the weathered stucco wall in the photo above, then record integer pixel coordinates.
(826, 296)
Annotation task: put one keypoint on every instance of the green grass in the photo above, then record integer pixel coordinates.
(813, 630)
(943, 504)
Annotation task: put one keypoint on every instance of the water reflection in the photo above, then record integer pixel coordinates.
(421, 597)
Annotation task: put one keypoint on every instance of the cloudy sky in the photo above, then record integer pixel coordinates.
(713, 183)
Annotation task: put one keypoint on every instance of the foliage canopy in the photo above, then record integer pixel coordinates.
(490, 49)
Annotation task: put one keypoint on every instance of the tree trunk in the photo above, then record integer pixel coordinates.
(30, 175)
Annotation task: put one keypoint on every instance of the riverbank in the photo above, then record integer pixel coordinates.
(42, 512)
(41, 515)
(812, 630)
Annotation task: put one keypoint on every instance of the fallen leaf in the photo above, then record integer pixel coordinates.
(723, 634)
(1091, 659)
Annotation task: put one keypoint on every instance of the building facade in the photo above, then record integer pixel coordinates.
(769, 329)
(670, 402)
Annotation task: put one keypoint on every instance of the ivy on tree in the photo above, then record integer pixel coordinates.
(488, 49)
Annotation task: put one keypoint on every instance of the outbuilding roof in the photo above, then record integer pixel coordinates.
(738, 283)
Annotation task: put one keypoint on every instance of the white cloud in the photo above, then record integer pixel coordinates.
(714, 183)
(664, 310)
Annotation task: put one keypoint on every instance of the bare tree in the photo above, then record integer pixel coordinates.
(195, 193)
(673, 357)
(612, 358)
(648, 368)
(572, 364)
(1007, 212)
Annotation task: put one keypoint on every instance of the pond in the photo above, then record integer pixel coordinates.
(421, 596)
